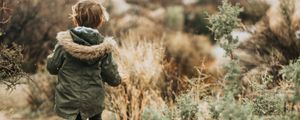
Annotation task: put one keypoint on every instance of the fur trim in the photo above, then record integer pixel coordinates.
(85, 52)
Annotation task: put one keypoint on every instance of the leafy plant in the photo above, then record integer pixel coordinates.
(269, 104)
(228, 109)
(223, 23)
(233, 78)
(187, 106)
(154, 113)
(292, 72)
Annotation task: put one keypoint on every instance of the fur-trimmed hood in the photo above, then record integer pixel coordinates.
(85, 43)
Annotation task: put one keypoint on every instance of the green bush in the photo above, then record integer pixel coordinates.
(228, 108)
(292, 72)
(187, 106)
(223, 23)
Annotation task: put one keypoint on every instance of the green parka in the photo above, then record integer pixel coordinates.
(82, 60)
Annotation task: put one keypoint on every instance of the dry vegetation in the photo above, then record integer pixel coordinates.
(10, 65)
(168, 53)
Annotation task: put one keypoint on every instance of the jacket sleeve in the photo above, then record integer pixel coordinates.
(55, 60)
(109, 72)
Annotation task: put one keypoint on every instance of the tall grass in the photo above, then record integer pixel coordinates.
(142, 62)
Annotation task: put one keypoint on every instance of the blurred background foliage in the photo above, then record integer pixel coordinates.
(34, 23)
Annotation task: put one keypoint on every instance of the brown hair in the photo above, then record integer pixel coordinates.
(87, 13)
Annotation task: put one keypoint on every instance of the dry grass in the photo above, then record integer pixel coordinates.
(11, 60)
(41, 90)
(159, 67)
(142, 62)
(274, 42)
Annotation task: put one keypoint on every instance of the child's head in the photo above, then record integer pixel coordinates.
(88, 13)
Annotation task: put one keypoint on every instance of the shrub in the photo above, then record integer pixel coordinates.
(154, 112)
(228, 108)
(34, 26)
(187, 105)
(11, 57)
(292, 72)
(269, 104)
(11, 60)
(223, 23)
(141, 61)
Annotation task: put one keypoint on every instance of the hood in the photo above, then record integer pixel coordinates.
(85, 43)
(86, 36)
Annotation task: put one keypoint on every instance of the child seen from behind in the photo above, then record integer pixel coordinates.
(82, 60)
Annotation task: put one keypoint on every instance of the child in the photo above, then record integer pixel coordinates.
(82, 60)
